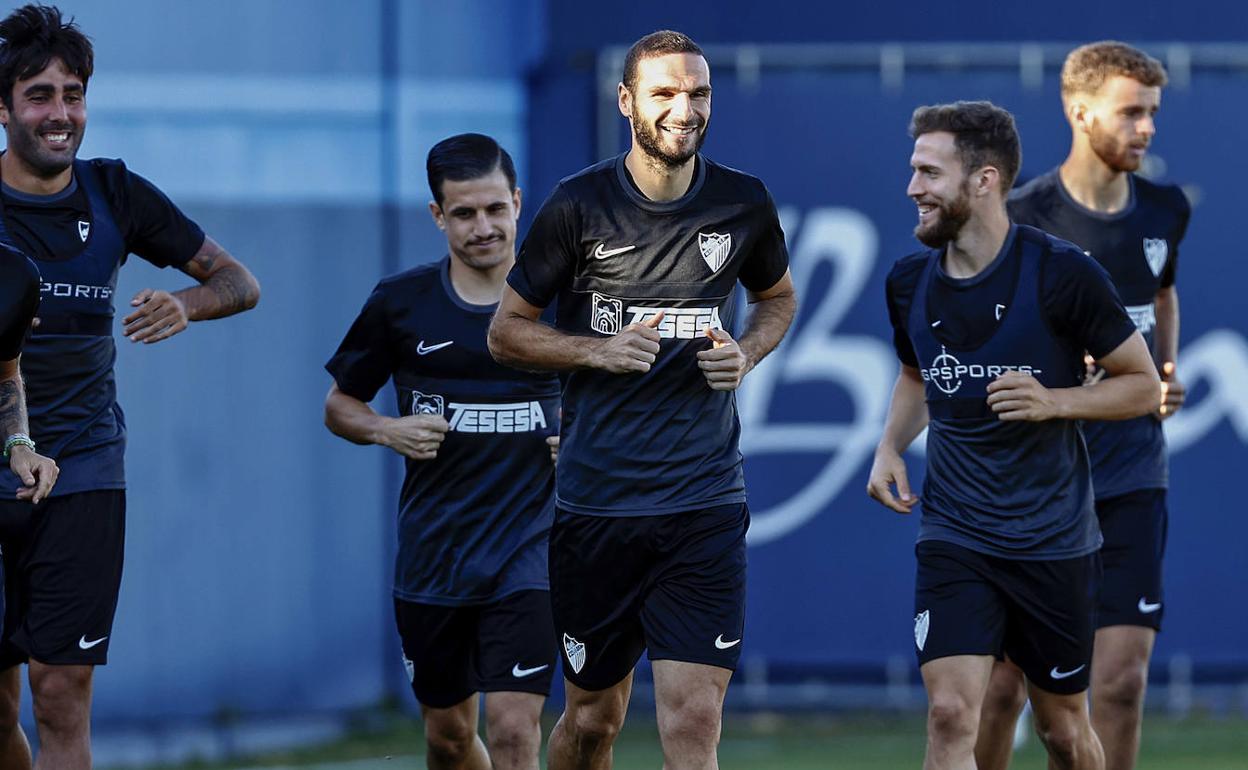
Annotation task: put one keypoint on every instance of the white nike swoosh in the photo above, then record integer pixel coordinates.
(520, 673)
(721, 644)
(84, 644)
(422, 349)
(1065, 674)
(601, 253)
(1147, 608)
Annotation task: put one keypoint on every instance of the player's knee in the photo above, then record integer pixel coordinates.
(694, 723)
(513, 734)
(61, 694)
(1122, 687)
(449, 741)
(1005, 699)
(1065, 742)
(951, 718)
(594, 727)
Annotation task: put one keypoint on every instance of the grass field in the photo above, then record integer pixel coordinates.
(792, 743)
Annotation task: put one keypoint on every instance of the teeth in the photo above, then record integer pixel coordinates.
(61, 137)
(678, 130)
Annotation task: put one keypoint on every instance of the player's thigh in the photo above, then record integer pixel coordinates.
(68, 577)
(599, 571)
(958, 608)
(1134, 527)
(1052, 621)
(689, 695)
(516, 644)
(694, 611)
(439, 651)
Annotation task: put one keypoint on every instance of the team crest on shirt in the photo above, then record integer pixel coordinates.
(423, 403)
(576, 653)
(84, 229)
(1155, 252)
(715, 249)
(411, 669)
(922, 622)
(605, 314)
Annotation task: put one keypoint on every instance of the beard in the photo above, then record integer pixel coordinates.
(1112, 152)
(950, 218)
(650, 141)
(45, 163)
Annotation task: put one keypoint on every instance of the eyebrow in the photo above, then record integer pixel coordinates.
(48, 88)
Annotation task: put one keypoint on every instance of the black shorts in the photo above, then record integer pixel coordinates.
(1041, 614)
(62, 573)
(1134, 527)
(453, 652)
(672, 584)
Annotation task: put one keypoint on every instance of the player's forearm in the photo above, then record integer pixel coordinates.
(1119, 397)
(523, 343)
(230, 289)
(352, 419)
(12, 400)
(769, 319)
(1166, 332)
(907, 412)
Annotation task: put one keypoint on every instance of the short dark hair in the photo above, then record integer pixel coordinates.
(984, 135)
(467, 156)
(31, 37)
(660, 43)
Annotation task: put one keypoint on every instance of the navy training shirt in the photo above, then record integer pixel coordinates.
(473, 521)
(661, 442)
(79, 239)
(1014, 489)
(1139, 248)
(19, 299)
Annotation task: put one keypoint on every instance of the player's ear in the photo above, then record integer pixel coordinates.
(987, 179)
(1077, 113)
(625, 100)
(439, 218)
(515, 201)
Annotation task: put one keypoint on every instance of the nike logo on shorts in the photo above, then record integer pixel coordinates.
(1066, 674)
(721, 644)
(520, 673)
(1146, 608)
(84, 644)
(601, 253)
(424, 350)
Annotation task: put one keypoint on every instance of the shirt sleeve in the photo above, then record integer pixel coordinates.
(1169, 272)
(769, 259)
(1082, 304)
(365, 359)
(153, 226)
(898, 294)
(547, 258)
(19, 301)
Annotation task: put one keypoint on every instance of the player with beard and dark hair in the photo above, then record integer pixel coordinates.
(78, 220)
(1132, 227)
(991, 324)
(643, 253)
(471, 594)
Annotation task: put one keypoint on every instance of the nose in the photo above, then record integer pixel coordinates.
(60, 109)
(915, 188)
(682, 107)
(481, 225)
(1146, 126)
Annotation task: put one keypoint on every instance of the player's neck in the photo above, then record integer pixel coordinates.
(977, 244)
(479, 287)
(1093, 184)
(657, 181)
(19, 176)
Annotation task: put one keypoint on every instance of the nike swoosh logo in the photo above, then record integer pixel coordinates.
(1147, 608)
(520, 673)
(601, 253)
(84, 644)
(423, 350)
(721, 644)
(1066, 674)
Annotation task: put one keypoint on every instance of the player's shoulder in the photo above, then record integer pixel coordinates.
(1054, 248)
(905, 273)
(1038, 191)
(588, 179)
(735, 183)
(112, 171)
(1061, 260)
(1163, 195)
(412, 282)
(15, 266)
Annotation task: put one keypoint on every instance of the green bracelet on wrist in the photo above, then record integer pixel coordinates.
(17, 439)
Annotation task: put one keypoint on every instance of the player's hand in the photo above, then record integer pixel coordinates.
(889, 470)
(416, 436)
(723, 364)
(1018, 396)
(1092, 373)
(632, 350)
(159, 316)
(38, 473)
(1173, 392)
(553, 443)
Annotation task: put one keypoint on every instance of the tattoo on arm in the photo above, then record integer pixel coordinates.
(226, 286)
(12, 407)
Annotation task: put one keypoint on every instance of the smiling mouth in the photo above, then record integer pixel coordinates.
(679, 130)
(56, 137)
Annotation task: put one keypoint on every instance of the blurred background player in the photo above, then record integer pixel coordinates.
(78, 220)
(1132, 227)
(19, 299)
(471, 593)
(643, 253)
(991, 322)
